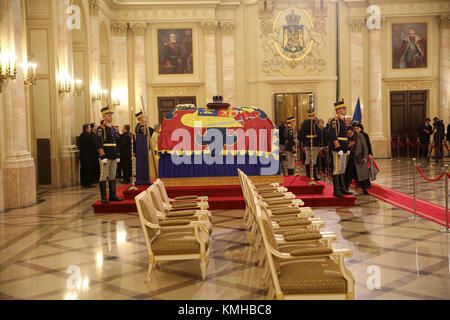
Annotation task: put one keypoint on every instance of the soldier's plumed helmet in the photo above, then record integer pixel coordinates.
(139, 115)
(106, 110)
(290, 119)
(339, 104)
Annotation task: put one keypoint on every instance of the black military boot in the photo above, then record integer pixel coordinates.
(316, 172)
(102, 185)
(308, 170)
(343, 185)
(112, 191)
(336, 187)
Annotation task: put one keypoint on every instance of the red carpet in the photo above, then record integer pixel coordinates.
(403, 201)
(230, 196)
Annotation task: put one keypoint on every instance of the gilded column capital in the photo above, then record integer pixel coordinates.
(138, 28)
(93, 7)
(227, 28)
(444, 21)
(357, 24)
(209, 27)
(118, 28)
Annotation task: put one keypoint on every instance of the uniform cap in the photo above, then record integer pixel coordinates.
(106, 110)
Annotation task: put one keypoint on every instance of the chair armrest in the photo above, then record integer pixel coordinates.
(186, 213)
(285, 210)
(304, 236)
(177, 222)
(311, 251)
(192, 197)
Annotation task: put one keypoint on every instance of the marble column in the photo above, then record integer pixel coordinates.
(356, 61)
(209, 29)
(68, 151)
(95, 79)
(18, 169)
(140, 67)
(229, 81)
(444, 66)
(377, 138)
(120, 71)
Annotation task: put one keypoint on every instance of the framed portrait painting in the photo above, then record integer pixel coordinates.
(175, 51)
(409, 45)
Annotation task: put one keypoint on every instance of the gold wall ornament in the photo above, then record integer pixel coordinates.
(138, 28)
(292, 42)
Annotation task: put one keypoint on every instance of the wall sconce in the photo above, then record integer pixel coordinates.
(77, 87)
(115, 96)
(29, 73)
(63, 83)
(98, 94)
(7, 67)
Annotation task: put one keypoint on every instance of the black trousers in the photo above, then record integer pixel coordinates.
(350, 172)
(125, 165)
(87, 171)
(423, 152)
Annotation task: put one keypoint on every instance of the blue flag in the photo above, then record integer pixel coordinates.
(357, 115)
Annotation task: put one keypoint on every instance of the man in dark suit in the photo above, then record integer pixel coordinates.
(425, 131)
(88, 156)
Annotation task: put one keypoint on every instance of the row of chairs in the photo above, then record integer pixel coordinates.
(174, 228)
(299, 260)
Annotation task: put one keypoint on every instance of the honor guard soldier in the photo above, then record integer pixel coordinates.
(339, 148)
(311, 131)
(140, 127)
(107, 145)
(291, 145)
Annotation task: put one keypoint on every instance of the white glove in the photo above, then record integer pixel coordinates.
(340, 153)
(104, 161)
(347, 153)
(118, 160)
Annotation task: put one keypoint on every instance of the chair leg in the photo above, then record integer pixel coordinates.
(203, 267)
(270, 293)
(151, 266)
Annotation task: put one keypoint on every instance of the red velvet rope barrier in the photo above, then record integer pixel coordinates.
(322, 155)
(422, 146)
(393, 145)
(401, 144)
(413, 144)
(430, 179)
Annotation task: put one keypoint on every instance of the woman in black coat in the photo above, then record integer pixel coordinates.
(359, 128)
(88, 156)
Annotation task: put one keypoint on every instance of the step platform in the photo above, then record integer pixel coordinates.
(230, 196)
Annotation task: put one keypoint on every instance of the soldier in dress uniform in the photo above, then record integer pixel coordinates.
(339, 147)
(311, 131)
(291, 145)
(140, 127)
(107, 145)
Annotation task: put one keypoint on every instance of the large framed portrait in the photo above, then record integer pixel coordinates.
(409, 45)
(175, 51)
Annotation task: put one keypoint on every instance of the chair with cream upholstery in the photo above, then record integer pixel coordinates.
(181, 202)
(186, 214)
(169, 240)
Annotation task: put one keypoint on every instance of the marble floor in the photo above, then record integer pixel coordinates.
(46, 248)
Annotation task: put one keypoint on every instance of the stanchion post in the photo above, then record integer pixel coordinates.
(414, 190)
(418, 150)
(446, 200)
(407, 147)
(398, 148)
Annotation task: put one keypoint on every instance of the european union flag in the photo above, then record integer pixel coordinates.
(357, 115)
